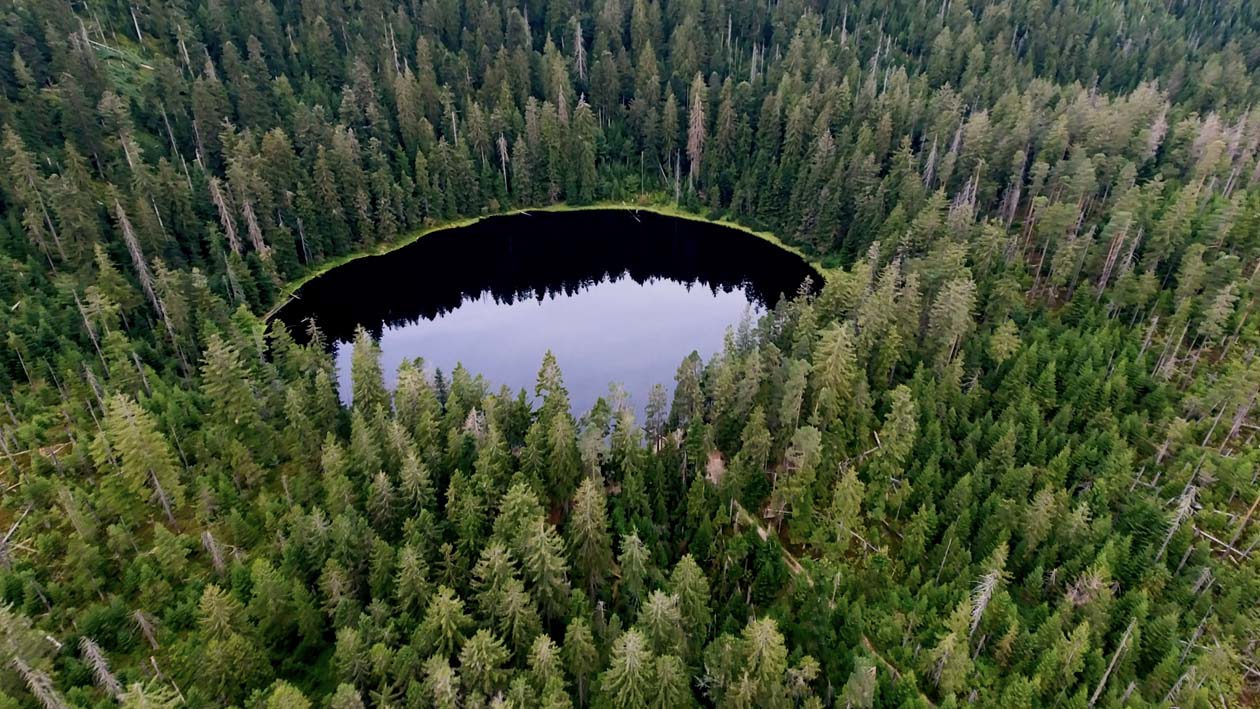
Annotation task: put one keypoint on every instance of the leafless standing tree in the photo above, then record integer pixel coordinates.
(225, 214)
(39, 684)
(579, 50)
(95, 658)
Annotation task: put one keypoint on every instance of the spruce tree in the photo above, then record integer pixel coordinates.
(589, 540)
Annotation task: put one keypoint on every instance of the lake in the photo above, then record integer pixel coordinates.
(618, 296)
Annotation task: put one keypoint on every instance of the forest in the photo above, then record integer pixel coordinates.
(1005, 455)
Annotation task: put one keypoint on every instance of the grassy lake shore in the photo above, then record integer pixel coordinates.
(668, 210)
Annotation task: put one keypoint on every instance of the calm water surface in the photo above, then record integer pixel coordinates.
(617, 296)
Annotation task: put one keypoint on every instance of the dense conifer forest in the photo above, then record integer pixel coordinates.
(1004, 456)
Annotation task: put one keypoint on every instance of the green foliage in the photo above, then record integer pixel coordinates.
(1004, 457)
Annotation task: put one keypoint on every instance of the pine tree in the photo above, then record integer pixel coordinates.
(131, 444)
(633, 562)
(949, 663)
(441, 682)
(345, 697)
(845, 511)
(630, 678)
(660, 621)
(589, 541)
(688, 582)
(564, 461)
(950, 319)
(581, 657)
(835, 368)
(688, 399)
(1004, 342)
(228, 387)
(545, 662)
(516, 616)
(859, 690)
(286, 696)
(671, 686)
(543, 561)
(25, 184)
(481, 663)
(367, 382)
(670, 131)
(151, 696)
(793, 394)
(444, 624)
(583, 177)
(411, 585)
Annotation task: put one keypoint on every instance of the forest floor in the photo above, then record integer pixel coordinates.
(890, 667)
(794, 565)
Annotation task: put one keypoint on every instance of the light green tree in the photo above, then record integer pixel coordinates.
(672, 684)
(630, 678)
(442, 682)
(131, 444)
(286, 696)
(688, 582)
(589, 540)
(367, 382)
(660, 621)
(444, 624)
(581, 656)
(633, 562)
(481, 662)
(951, 319)
(543, 560)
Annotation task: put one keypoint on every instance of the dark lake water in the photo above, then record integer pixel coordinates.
(618, 297)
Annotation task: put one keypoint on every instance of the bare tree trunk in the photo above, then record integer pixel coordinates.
(1165, 358)
(100, 667)
(145, 277)
(1115, 656)
(90, 330)
(225, 214)
(254, 231)
(1185, 505)
(1113, 253)
(52, 229)
(502, 145)
(4, 447)
(163, 499)
(39, 684)
(579, 50)
(212, 548)
(145, 623)
(4, 541)
(1242, 525)
(1240, 416)
(1194, 637)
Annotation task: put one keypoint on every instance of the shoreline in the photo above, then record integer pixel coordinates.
(289, 291)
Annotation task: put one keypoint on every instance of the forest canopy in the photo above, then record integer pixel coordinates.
(1004, 456)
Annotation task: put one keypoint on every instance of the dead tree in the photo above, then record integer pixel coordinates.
(1115, 657)
(95, 659)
